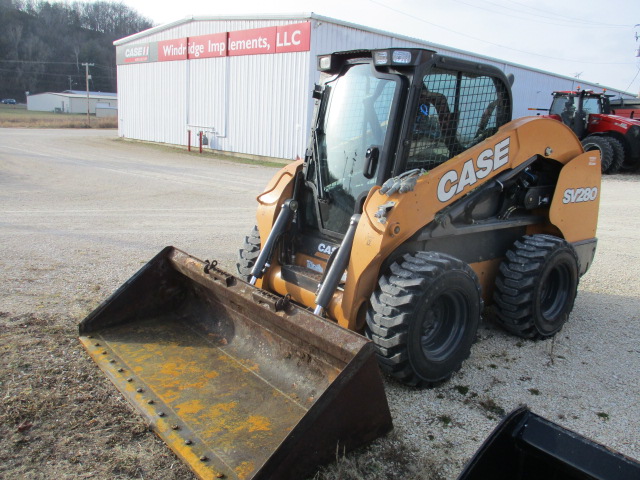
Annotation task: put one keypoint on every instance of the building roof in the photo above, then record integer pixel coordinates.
(79, 94)
(91, 94)
(321, 18)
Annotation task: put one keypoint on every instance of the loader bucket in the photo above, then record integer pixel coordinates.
(526, 446)
(238, 382)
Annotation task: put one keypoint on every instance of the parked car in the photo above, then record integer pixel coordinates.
(8, 101)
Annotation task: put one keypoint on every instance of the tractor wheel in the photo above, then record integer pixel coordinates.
(536, 286)
(618, 155)
(594, 142)
(424, 316)
(248, 254)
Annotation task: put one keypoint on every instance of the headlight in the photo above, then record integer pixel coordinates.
(324, 63)
(381, 57)
(401, 56)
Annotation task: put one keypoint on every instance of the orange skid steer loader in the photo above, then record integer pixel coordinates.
(418, 202)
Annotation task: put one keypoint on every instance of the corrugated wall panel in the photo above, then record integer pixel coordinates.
(208, 95)
(269, 106)
(152, 101)
(255, 104)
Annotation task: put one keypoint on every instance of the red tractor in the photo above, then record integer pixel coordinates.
(591, 118)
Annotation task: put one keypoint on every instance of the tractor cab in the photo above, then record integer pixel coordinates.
(574, 108)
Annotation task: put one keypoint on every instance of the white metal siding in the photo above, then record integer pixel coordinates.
(255, 104)
(152, 101)
(47, 102)
(261, 104)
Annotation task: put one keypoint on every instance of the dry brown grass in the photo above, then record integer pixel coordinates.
(59, 417)
(396, 460)
(17, 116)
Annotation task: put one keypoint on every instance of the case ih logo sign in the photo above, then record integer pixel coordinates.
(137, 53)
(258, 41)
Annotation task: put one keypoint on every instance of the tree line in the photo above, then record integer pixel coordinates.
(44, 44)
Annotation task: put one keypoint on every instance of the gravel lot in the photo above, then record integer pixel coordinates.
(81, 211)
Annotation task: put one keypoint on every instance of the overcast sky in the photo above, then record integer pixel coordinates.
(594, 40)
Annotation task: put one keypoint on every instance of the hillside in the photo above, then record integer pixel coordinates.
(44, 44)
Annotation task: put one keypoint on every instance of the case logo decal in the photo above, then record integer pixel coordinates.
(488, 161)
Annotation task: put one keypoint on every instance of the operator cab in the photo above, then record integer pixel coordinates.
(383, 112)
(378, 114)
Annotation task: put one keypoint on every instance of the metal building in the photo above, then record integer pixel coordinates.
(246, 83)
(70, 101)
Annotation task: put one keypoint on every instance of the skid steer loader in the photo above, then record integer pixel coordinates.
(418, 202)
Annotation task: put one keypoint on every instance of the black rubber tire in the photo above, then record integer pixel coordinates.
(248, 254)
(595, 142)
(536, 286)
(630, 163)
(618, 156)
(424, 287)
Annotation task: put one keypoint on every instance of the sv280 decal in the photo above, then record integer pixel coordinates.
(579, 195)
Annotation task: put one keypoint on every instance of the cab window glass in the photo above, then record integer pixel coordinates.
(591, 105)
(455, 111)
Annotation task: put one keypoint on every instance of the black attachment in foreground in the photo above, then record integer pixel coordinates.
(526, 446)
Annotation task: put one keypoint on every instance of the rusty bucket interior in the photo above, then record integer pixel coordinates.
(238, 382)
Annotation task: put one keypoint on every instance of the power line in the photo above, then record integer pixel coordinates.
(576, 19)
(106, 67)
(634, 79)
(56, 74)
(565, 20)
(414, 17)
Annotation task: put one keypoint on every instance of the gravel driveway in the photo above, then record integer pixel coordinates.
(81, 211)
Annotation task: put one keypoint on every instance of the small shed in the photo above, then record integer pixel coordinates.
(70, 101)
(104, 110)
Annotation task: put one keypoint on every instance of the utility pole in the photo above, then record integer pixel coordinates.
(87, 76)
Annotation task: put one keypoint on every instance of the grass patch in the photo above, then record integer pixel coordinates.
(391, 459)
(17, 116)
(207, 152)
(492, 407)
(603, 415)
(445, 420)
(461, 389)
(534, 391)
